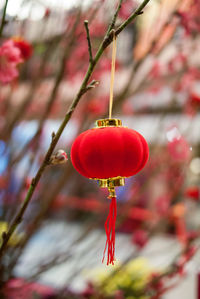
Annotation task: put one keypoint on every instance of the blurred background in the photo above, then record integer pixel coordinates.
(56, 251)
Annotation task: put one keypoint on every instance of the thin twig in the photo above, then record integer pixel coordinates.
(109, 36)
(83, 89)
(136, 13)
(127, 90)
(3, 18)
(89, 41)
(112, 24)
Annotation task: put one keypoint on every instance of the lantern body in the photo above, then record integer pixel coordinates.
(109, 152)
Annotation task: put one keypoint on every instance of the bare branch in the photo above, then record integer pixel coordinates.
(112, 24)
(136, 13)
(89, 41)
(3, 17)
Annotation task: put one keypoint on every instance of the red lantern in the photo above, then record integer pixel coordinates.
(109, 153)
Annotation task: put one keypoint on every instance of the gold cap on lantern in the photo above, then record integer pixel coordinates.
(108, 122)
(111, 183)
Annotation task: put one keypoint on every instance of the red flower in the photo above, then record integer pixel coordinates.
(195, 99)
(47, 13)
(24, 47)
(140, 238)
(89, 291)
(156, 281)
(192, 192)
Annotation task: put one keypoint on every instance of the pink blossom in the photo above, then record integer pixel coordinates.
(97, 106)
(10, 57)
(127, 108)
(162, 204)
(17, 288)
(155, 71)
(177, 62)
(190, 19)
(179, 149)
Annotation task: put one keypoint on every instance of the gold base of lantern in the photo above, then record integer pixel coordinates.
(111, 183)
(108, 122)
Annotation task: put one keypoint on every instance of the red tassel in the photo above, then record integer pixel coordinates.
(110, 232)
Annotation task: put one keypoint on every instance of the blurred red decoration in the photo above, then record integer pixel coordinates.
(140, 238)
(163, 204)
(17, 288)
(193, 193)
(177, 213)
(109, 153)
(194, 100)
(3, 182)
(24, 47)
(47, 12)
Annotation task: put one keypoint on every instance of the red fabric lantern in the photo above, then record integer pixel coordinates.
(109, 153)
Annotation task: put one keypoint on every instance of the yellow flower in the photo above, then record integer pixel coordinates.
(139, 271)
(130, 278)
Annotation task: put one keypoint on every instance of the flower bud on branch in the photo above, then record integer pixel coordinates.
(59, 158)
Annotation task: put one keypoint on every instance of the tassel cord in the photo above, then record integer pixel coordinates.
(110, 233)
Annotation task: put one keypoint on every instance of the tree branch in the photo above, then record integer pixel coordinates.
(83, 88)
(89, 41)
(136, 13)
(3, 18)
(112, 24)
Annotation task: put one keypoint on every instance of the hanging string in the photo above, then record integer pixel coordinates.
(112, 74)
